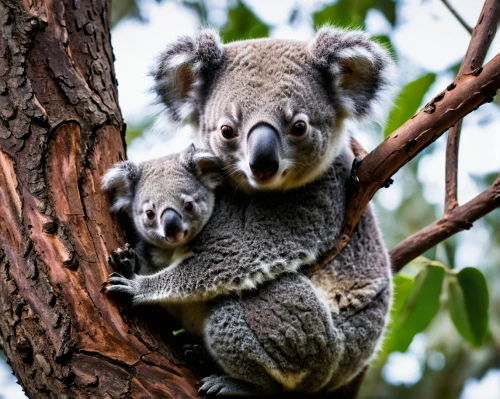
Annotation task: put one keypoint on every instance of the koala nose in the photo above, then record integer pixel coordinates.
(263, 147)
(172, 225)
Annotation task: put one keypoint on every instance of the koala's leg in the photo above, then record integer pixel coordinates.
(278, 338)
(357, 288)
(236, 349)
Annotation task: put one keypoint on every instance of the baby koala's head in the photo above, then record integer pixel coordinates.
(168, 199)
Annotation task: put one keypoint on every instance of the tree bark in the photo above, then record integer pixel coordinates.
(60, 129)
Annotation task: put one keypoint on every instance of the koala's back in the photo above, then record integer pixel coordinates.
(292, 341)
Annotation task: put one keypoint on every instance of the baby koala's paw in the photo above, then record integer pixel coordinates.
(122, 288)
(124, 260)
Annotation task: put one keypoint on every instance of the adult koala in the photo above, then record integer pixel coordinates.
(273, 111)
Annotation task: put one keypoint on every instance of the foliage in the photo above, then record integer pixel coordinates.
(243, 24)
(408, 102)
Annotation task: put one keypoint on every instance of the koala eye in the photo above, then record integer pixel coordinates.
(150, 214)
(227, 132)
(299, 128)
(188, 206)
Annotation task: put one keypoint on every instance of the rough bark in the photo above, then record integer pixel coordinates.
(60, 129)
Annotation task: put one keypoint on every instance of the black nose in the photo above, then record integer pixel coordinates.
(264, 151)
(171, 223)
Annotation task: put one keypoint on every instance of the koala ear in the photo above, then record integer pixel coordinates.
(119, 182)
(205, 165)
(183, 72)
(361, 71)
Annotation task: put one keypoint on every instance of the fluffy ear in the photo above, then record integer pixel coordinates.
(184, 70)
(204, 164)
(361, 71)
(119, 182)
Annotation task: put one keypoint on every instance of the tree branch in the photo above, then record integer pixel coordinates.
(461, 97)
(458, 219)
(357, 148)
(457, 16)
(482, 36)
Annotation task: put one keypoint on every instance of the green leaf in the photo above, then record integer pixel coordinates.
(420, 305)
(386, 43)
(344, 13)
(408, 101)
(468, 303)
(388, 8)
(243, 24)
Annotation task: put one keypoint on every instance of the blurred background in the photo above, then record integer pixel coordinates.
(434, 348)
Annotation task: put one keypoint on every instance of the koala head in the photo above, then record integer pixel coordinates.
(273, 110)
(168, 199)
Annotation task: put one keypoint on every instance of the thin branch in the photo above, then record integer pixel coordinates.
(460, 218)
(457, 16)
(461, 97)
(482, 36)
(357, 148)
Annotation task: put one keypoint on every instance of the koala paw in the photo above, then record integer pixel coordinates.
(194, 353)
(124, 260)
(121, 287)
(220, 386)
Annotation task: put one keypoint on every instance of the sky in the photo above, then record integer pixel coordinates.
(428, 37)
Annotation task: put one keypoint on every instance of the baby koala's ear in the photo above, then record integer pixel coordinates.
(120, 182)
(205, 165)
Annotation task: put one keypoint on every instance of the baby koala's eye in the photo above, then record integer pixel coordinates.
(188, 206)
(150, 214)
(227, 132)
(299, 128)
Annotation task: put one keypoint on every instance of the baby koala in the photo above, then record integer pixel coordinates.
(169, 200)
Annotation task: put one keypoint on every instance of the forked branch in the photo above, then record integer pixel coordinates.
(482, 36)
(457, 16)
(458, 219)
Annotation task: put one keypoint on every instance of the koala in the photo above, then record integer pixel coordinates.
(273, 112)
(169, 200)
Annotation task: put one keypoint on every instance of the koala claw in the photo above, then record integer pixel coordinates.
(220, 386)
(117, 285)
(123, 259)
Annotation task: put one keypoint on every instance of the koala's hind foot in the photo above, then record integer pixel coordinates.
(124, 260)
(195, 353)
(221, 386)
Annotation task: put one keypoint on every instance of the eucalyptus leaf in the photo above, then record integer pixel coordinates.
(468, 302)
(408, 101)
(344, 13)
(421, 304)
(243, 24)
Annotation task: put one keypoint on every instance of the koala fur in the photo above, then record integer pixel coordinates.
(168, 184)
(275, 83)
(248, 257)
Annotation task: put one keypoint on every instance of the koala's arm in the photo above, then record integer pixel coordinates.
(357, 288)
(248, 242)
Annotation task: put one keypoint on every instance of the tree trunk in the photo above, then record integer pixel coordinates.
(60, 129)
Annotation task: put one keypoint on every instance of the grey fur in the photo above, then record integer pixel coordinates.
(164, 183)
(337, 75)
(245, 263)
(355, 287)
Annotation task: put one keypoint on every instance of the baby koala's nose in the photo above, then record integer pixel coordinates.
(172, 225)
